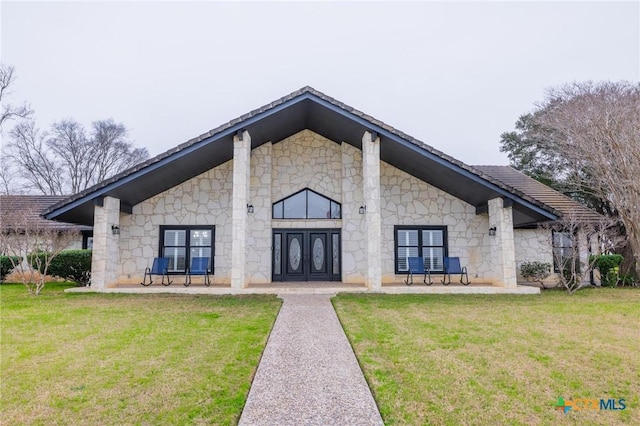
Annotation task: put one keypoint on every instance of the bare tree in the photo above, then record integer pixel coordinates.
(9, 111)
(66, 160)
(21, 236)
(6, 173)
(111, 152)
(574, 237)
(595, 126)
(72, 151)
(35, 163)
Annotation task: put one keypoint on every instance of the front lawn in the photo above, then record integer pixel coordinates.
(128, 359)
(497, 359)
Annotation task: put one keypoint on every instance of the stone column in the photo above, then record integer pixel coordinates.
(502, 244)
(105, 257)
(371, 197)
(241, 182)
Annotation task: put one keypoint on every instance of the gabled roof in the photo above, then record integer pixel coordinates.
(539, 191)
(33, 206)
(303, 109)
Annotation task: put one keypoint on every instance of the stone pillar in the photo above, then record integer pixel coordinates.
(371, 197)
(105, 257)
(259, 255)
(241, 182)
(502, 244)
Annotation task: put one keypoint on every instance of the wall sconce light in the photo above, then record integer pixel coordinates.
(362, 209)
(492, 231)
(250, 208)
(115, 229)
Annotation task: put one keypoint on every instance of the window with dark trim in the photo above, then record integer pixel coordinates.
(428, 242)
(306, 204)
(87, 240)
(563, 248)
(181, 243)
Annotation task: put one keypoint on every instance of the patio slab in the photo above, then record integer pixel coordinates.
(312, 288)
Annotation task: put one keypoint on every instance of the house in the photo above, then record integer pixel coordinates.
(16, 210)
(545, 244)
(23, 229)
(305, 189)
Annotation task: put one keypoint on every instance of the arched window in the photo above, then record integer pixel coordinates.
(307, 204)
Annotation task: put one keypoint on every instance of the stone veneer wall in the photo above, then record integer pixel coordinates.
(203, 200)
(407, 200)
(353, 226)
(259, 223)
(306, 160)
(533, 245)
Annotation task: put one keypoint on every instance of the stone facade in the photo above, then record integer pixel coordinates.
(259, 236)
(105, 261)
(203, 200)
(502, 243)
(277, 170)
(372, 203)
(353, 233)
(240, 206)
(306, 160)
(406, 200)
(533, 245)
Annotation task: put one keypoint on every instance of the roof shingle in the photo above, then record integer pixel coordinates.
(539, 191)
(33, 206)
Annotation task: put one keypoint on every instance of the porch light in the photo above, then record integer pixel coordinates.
(492, 231)
(250, 208)
(362, 209)
(115, 229)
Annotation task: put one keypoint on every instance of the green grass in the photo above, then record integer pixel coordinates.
(112, 359)
(497, 359)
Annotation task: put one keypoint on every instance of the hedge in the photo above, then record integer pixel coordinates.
(6, 265)
(71, 265)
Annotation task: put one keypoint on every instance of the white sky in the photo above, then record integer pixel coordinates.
(453, 74)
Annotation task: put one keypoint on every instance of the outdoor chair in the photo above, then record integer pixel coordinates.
(416, 266)
(452, 266)
(199, 266)
(160, 267)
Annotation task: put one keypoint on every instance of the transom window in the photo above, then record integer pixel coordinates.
(428, 242)
(307, 204)
(182, 243)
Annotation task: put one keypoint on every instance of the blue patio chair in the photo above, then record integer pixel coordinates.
(416, 266)
(452, 266)
(199, 266)
(160, 267)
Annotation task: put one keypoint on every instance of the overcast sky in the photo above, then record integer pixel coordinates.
(454, 75)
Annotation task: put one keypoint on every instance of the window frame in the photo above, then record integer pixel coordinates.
(87, 240)
(188, 246)
(420, 246)
(306, 201)
(564, 248)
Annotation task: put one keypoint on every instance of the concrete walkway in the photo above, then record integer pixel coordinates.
(308, 374)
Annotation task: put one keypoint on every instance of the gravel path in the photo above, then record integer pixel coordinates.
(308, 374)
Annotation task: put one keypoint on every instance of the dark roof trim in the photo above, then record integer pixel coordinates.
(169, 158)
(436, 158)
(307, 93)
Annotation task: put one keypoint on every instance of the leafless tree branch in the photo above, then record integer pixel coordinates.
(36, 165)
(596, 128)
(9, 111)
